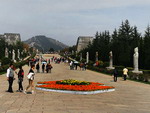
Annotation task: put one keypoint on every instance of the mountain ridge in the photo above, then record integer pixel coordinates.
(43, 43)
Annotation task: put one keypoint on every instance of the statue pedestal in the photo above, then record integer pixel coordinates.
(137, 72)
(110, 68)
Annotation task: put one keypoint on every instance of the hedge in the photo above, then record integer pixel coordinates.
(145, 77)
(16, 65)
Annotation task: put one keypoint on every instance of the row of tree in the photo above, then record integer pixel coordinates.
(122, 43)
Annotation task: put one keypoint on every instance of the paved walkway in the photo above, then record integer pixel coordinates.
(129, 97)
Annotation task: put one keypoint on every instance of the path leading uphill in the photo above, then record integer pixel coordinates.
(129, 97)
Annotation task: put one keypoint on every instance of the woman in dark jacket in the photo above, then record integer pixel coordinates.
(20, 78)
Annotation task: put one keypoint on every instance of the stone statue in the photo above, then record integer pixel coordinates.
(37, 51)
(72, 52)
(13, 55)
(110, 60)
(6, 53)
(135, 61)
(96, 56)
(87, 57)
(18, 54)
(25, 50)
(80, 56)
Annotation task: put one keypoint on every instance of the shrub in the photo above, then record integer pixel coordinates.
(72, 82)
(6, 61)
(106, 64)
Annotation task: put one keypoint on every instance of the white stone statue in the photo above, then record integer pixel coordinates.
(72, 52)
(25, 50)
(135, 61)
(80, 56)
(6, 53)
(13, 55)
(110, 60)
(18, 54)
(87, 57)
(96, 56)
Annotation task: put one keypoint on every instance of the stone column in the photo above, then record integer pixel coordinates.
(87, 57)
(135, 61)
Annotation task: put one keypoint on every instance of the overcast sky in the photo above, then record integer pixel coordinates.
(66, 20)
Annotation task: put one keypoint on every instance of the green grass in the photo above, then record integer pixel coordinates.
(2, 73)
(139, 81)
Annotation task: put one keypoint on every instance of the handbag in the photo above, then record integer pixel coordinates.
(30, 76)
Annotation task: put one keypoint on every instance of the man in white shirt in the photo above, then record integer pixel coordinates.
(125, 73)
(10, 77)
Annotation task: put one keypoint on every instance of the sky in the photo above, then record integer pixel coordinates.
(66, 20)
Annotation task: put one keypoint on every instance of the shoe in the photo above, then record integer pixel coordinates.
(24, 92)
(32, 92)
(21, 90)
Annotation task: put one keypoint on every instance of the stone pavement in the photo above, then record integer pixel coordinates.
(129, 97)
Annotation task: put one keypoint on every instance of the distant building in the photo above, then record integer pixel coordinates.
(11, 38)
(83, 42)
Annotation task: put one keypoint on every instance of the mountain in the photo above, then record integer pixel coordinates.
(43, 43)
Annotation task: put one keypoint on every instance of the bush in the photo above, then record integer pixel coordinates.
(106, 64)
(6, 61)
(4, 68)
(72, 82)
(119, 67)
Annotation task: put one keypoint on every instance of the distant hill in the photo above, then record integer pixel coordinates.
(43, 43)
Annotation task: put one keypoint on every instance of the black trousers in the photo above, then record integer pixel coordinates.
(125, 77)
(10, 81)
(20, 80)
(115, 78)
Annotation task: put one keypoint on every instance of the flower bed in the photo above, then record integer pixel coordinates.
(58, 85)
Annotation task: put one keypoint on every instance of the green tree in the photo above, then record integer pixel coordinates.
(147, 48)
(2, 48)
(124, 43)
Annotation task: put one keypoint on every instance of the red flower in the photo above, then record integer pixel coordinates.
(92, 87)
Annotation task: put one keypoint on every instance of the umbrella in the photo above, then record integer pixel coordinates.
(43, 62)
(76, 62)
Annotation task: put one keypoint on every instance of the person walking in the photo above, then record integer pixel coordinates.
(38, 67)
(43, 67)
(48, 68)
(10, 77)
(20, 78)
(125, 73)
(30, 76)
(115, 73)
